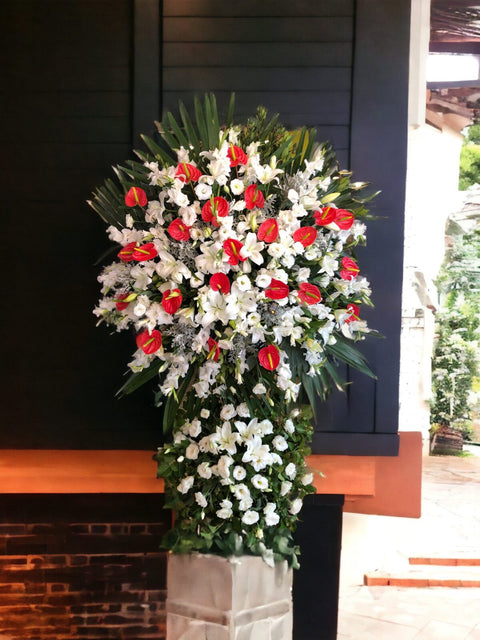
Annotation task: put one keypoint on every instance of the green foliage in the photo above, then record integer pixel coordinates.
(470, 160)
(455, 362)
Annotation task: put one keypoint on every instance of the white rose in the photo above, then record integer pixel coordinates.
(280, 444)
(203, 191)
(260, 482)
(237, 186)
(250, 517)
(295, 506)
(139, 309)
(243, 411)
(285, 488)
(289, 426)
(204, 471)
(226, 510)
(291, 470)
(239, 473)
(227, 412)
(307, 479)
(185, 484)
(271, 519)
(200, 499)
(259, 389)
(192, 451)
(204, 413)
(195, 428)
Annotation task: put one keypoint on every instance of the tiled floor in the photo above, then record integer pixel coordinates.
(450, 522)
(395, 613)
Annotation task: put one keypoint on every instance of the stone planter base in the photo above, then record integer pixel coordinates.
(215, 598)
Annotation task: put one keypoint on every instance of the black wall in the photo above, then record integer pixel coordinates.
(81, 79)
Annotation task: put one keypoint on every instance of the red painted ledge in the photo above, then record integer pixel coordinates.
(393, 483)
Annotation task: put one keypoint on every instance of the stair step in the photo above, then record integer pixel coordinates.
(427, 576)
(447, 560)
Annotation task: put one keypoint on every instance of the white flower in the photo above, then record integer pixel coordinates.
(241, 491)
(271, 517)
(201, 500)
(237, 187)
(204, 413)
(250, 517)
(260, 482)
(243, 283)
(257, 454)
(195, 428)
(239, 473)
(139, 309)
(280, 443)
(291, 471)
(307, 478)
(252, 248)
(226, 438)
(185, 484)
(227, 412)
(203, 191)
(204, 470)
(223, 466)
(243, 411)
(226, 510)
(295, 506)
(289, 426)
(259, 389)
(192, 451)
(214, 308)
(285, 488)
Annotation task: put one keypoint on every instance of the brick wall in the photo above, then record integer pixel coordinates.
(82, 578)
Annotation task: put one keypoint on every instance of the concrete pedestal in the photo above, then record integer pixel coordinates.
(215, 598)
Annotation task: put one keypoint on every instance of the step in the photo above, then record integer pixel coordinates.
(455, 559)
(427, 576)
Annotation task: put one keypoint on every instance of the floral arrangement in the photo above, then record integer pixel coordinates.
(235, 268)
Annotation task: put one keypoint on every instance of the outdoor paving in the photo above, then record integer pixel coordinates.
(449, 526)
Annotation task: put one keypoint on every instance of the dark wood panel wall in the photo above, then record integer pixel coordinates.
(294, 58)
(82, 78)
(67, 116)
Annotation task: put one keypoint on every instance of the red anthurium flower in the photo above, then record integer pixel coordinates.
(350, 269)
(268, 230)
(213, 350)
(277, 290)
(269, 357)
(325, 216)
(220, 282)
(305, 235)
(179, 230)
(120, 301)
(237, 156)
(149, 342)
(144, 252)
(172, 300)
(232, 248)
(213, 208)
(309, 293)
(187, 172)
(126, 254)
(354, 311)
(135, 196)
(254, 198)
(344, 219)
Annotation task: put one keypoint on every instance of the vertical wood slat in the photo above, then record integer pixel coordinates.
(146, 66)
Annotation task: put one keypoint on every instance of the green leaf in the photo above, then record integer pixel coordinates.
(136, 380)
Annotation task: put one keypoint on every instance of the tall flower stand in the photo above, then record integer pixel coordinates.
(239, 598)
